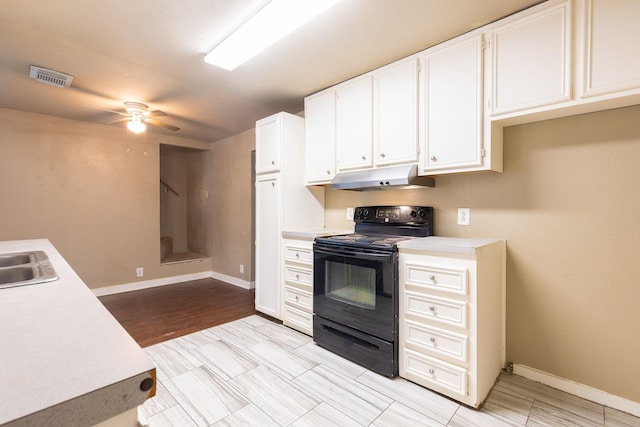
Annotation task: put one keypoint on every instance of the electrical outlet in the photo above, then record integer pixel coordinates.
(350, 214)
(241, 268)
(139, 272)
(463, 216)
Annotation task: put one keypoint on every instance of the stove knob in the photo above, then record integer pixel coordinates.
(421, 213)
(366, 213)
(358, 212)
(413, 214)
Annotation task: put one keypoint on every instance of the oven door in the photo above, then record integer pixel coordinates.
(357, 288)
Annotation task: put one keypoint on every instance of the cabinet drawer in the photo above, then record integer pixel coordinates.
(436, 340)
(298, 275)
(298, 254)
(437, 278)
(446, 311)
(297, 319)
(434, 373)
(298, 297)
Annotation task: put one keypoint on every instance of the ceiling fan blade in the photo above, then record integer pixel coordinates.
(122, 120)
(108, 111)
(156, 113)
(161, 124)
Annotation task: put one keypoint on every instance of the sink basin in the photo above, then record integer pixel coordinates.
(7, 260)
(25, 268)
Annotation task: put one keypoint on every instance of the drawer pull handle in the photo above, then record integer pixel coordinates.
(432, 278)
(431, 371)
(296, 298)
(434, 158)
(364, 157)
(383, 155)
(297, 277)
(432, 339)
(432, 308)
(273, 162)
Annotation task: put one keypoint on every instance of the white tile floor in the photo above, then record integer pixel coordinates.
(254, 372)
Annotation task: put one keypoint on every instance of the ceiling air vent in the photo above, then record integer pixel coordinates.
(50, 77)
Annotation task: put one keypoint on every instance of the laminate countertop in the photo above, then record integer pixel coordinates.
(452, 245)
(64, 360)
(313, 233)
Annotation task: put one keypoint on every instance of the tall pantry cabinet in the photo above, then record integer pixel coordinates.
(283, 202)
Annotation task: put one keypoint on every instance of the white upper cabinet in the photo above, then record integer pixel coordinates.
(354, 124)
(395, 113)
(452, 107)
(320, 137)
(611, 41)
(268, 152)
(531, 59)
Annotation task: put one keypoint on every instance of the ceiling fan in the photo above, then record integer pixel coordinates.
(137, 117)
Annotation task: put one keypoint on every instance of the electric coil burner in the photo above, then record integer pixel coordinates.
(355, 285)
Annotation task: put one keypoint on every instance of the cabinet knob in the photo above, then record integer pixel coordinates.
(433, 340)
(328, 172)
(382, 155)
(432, 278)
(432, 308)
(297, 255)
(273, 162)
(364, 157)
(297, 277)
(431, 371)
(273, 184)
(434, 159)
(146, 384)
(296, 298)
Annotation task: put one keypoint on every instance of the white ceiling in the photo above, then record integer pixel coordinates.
(152, 51)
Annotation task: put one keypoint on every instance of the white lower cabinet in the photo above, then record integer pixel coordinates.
(297, 286)
(451, 315)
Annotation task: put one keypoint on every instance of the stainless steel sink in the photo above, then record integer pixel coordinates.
(25, 268)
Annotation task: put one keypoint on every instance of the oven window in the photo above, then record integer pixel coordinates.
(351, 284)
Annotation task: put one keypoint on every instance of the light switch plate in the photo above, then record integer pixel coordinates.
(463, 216)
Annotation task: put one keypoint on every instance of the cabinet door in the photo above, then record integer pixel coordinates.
(320, 137)
(268, 245)
(531, 60)
(395, 116)
(453, 99)
(354, 124)
(612, 59)
(268, 144)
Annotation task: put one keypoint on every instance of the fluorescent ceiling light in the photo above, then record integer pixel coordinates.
(274, 21)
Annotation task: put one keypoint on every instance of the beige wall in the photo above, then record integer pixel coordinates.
(231, 215)
(568, 204)
(91, 189)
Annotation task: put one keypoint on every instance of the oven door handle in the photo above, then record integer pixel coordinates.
(358, 253)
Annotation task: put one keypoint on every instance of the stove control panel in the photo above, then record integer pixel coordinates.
(393, 214)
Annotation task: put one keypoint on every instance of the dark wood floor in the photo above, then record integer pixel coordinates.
(158, 314)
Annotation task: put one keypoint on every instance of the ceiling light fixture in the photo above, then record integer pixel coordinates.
(136, 125)
(270, 24)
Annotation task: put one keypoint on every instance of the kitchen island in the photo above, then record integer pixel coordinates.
(64, 360)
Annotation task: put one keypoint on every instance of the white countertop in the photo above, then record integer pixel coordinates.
(312, 233)
(58, 341)
(452, 245)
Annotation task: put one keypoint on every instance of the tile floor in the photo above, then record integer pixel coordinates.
(254, 372)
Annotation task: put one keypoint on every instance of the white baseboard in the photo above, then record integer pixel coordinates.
(145, 284)
(577, 389)
(233, 280)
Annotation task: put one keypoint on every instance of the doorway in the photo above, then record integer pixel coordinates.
(183, 201)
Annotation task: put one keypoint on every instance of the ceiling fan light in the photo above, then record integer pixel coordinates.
(136, 125)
